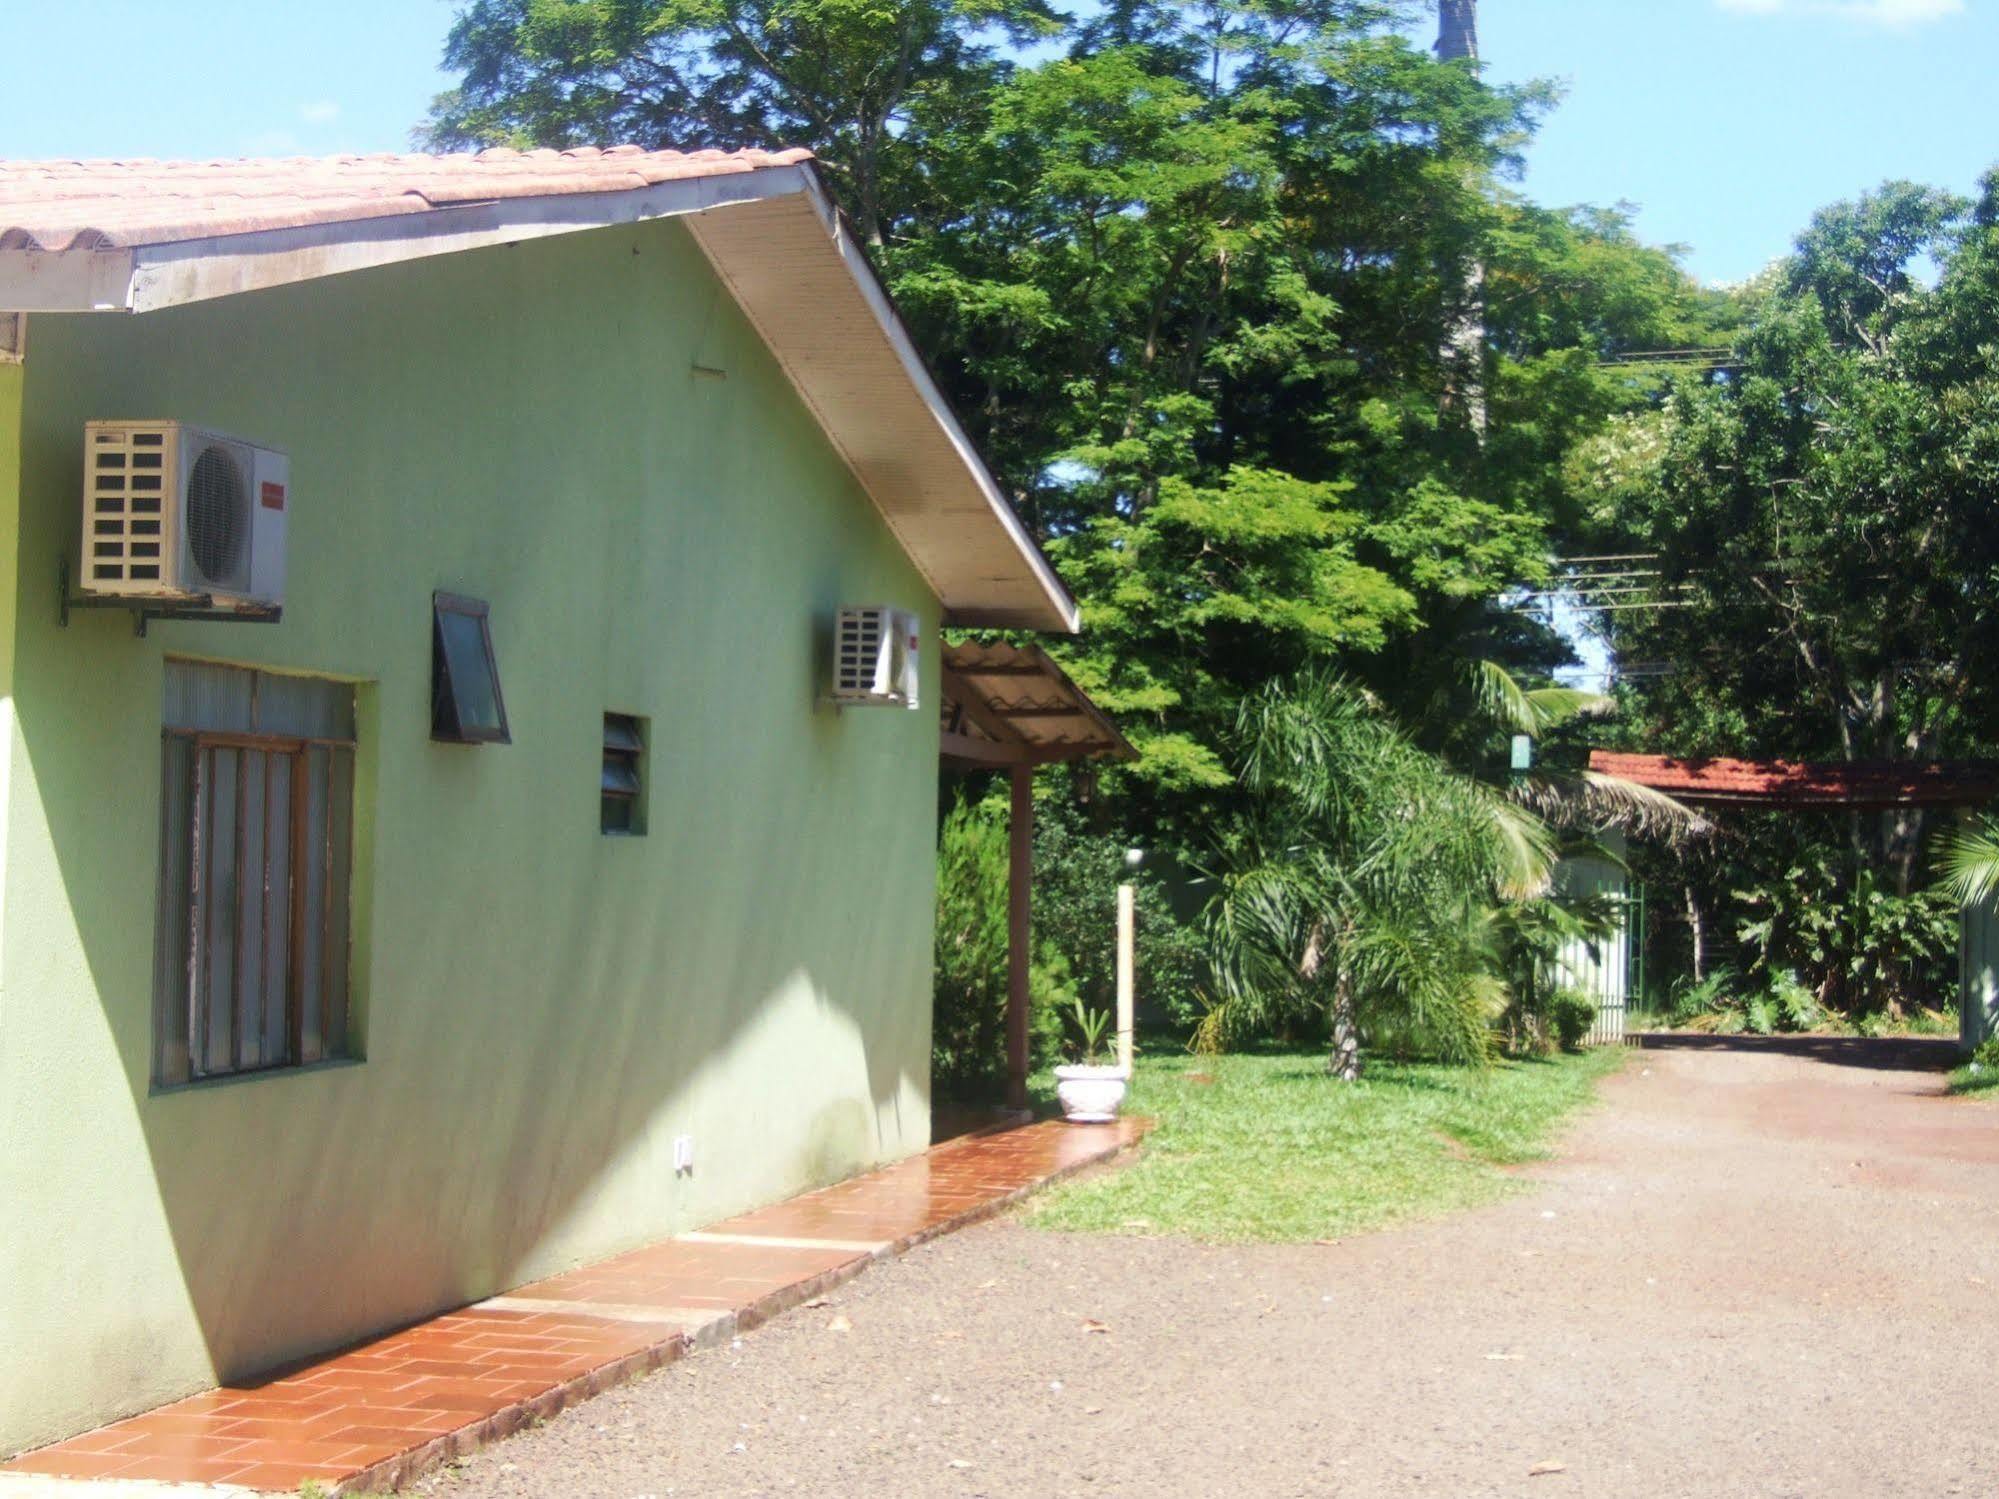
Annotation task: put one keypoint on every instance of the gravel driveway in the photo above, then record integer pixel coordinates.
(1758, 1269)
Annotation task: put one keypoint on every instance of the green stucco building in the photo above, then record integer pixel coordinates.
(313, 1021)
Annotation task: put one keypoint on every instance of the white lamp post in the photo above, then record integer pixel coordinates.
(1127, 927)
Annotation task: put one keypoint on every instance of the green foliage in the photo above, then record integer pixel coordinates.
(1694, 999)
(1979, 1074)
(1355, 893)
(1797, 1007)
(1726, 1001)
(1823, 514)
(1076, 874)
(1968, 861)
(1261, 1146)
(1523, 942)
(1089, 1027)
(968, 1015)
(1861, 947)
(1210, 592)
(1572, 1014)
(1185, 271)
(844, 75)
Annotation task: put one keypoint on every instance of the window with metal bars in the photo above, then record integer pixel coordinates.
(622, 807)
(256, 857)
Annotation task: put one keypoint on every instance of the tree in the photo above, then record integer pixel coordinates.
(1184, 270)
(1823, 516)
(1464, 344)
(843, 75)
(1457, 29)
(1358, 891)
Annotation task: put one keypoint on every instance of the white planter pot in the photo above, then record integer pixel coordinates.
(1090, 1095)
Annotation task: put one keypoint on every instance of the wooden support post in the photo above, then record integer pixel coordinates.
(1019, 931)
(1127, 928)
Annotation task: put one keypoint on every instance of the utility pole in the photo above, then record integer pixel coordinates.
(1463, 352)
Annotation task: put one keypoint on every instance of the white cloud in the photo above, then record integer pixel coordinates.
(319, 112)
(1873, 12)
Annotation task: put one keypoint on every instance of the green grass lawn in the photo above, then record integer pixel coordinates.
(1273, 1149)
(1974, 1078)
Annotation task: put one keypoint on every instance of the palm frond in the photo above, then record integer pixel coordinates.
(1594, 800)
(1969, 861)
(1526, 849)
(1531, 711)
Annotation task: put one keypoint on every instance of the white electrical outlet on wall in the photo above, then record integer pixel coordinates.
(683, 1154)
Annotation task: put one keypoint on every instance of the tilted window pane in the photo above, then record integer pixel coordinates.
(466, 702)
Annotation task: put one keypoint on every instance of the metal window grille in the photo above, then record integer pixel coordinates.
(256, 854)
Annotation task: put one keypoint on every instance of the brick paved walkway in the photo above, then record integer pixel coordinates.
(375, 1415)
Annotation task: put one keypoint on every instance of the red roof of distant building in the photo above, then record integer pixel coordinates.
(1795, 783)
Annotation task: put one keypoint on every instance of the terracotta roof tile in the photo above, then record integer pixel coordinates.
(83, 205)
(1795, 783)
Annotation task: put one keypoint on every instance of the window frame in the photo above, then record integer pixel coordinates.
(443, 691)
(196, 926)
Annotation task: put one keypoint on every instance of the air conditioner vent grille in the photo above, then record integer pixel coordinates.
(217, 516)
(126, 473)
(875, 654)
(859, 652)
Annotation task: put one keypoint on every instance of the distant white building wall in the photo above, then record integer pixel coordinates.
(1978, 971)
(1599, 968)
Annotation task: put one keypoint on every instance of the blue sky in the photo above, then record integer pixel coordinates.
(1729, 121)
(1726, 121)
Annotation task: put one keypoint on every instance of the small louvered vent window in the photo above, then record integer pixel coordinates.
(623, 786)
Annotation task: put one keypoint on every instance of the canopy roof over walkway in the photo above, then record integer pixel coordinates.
(1010, 707)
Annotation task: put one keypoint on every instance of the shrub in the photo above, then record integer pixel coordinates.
(1076, 874)
(968, 1011)
(1693, 1001)
(1572, 1013)
(1798, 1008)
(1759, 1015)
(1861, 947)
(1725, 1002)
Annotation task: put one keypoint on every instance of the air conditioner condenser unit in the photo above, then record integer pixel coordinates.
(175, 513)
(877, 659)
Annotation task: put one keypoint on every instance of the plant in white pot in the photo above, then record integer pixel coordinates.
(1091, 1088)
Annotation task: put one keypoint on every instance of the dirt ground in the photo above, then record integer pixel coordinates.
(1758, 1269)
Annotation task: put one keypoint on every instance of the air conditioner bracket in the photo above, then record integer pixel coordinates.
(199, 607)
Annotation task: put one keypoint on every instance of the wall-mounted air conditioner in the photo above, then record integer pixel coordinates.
(876, 660)
(178, 514)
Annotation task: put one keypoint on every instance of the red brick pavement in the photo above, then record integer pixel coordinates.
(373, 1416)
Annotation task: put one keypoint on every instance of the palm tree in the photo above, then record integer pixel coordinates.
(1587, 801)
(1356, 890)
